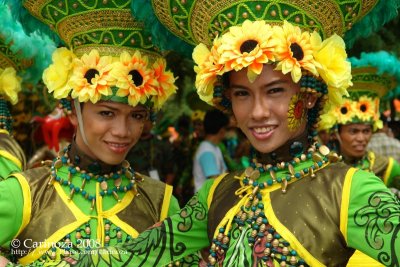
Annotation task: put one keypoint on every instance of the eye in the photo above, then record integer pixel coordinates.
(106, 113)
(275, 90)
(140, 115)
(239, 92)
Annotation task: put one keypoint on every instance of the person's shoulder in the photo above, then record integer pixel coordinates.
(148, 181)
(333, 170)
(34, 173)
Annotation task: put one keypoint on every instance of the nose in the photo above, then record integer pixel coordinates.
(260, 109)
(121, 128)
(361, 137)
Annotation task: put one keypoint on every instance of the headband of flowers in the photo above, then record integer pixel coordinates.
(130, 78)
(361, 107)
(10, 84)
(294, 51)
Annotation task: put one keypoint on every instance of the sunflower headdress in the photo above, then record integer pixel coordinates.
(302, 38)
(375, 80)
(107, 55)
(22, 60)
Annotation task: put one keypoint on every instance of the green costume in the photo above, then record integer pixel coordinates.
(79, 209)
(12, 158)
(386, 168)
(21, 66)
(318, 218)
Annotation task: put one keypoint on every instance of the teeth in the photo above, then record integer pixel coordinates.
(263, 129)
(117, 145)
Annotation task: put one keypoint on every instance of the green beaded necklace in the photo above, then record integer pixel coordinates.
(63, 161)
(267, 243)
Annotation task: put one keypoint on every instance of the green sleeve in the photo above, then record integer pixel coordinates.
(394, 177)
(7, 167)
(173, 206)
(177, 238)
(11, 208)
(373, 225)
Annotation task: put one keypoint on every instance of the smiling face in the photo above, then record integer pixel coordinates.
(111, 130)
(261, 108)
(354, 139)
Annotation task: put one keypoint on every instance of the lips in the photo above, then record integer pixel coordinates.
(263, 132)
(118, 147)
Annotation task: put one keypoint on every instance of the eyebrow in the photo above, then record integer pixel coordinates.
(273, 83)
(105, 105)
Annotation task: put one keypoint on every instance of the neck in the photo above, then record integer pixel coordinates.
(213, 139)
(84, 162)
(352, 159)
(288, 151)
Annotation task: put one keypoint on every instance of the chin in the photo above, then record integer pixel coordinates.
(265, 149)
(113, 161)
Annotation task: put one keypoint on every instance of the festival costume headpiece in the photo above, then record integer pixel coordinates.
(22, 60)
(109, 56)
(302, 38)
(375, 79)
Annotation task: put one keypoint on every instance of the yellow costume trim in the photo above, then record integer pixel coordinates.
(100, 223)
(344, 208)
(10, 157)
(60, 233)
(213, 187)
(166, 202)
(124, 226)
(2, 131)
(371, 157)
(125, 201)
(26, 193)
(388, 171)
(274, 221)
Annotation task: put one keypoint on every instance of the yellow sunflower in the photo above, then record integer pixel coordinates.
(10, 84)
(207, 69)
(91, 77)
(166, 80)
(345, 112)
(297, 111)
(335, 71)
(366, 108)
(57, 75)
(294, 50)
(134, 78)
(249, 45)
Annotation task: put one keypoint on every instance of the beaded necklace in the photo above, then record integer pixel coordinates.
(366, 162)
(268, 244)
(64, 161)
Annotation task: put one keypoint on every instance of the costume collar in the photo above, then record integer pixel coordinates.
(84, 162)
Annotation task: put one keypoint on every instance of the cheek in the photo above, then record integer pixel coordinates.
(137, 130)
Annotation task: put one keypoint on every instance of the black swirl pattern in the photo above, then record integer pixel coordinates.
(193, 210)
(380, 218)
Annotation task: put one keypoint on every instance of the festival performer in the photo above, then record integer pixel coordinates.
(274, 65)
(110, 78)
(21, 65)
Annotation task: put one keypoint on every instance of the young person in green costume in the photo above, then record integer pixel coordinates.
(296, 205)
(374, 77)
(358, 116)
(110, 79)
(20, 65)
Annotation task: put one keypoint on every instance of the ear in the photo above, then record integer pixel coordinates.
(311, 99)
(72, 117)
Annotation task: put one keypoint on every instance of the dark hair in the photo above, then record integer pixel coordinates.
(214, 120)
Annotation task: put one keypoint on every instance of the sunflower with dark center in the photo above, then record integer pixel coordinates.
(90, 74)
(137, 78)
(297, 51)
(248, 46)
